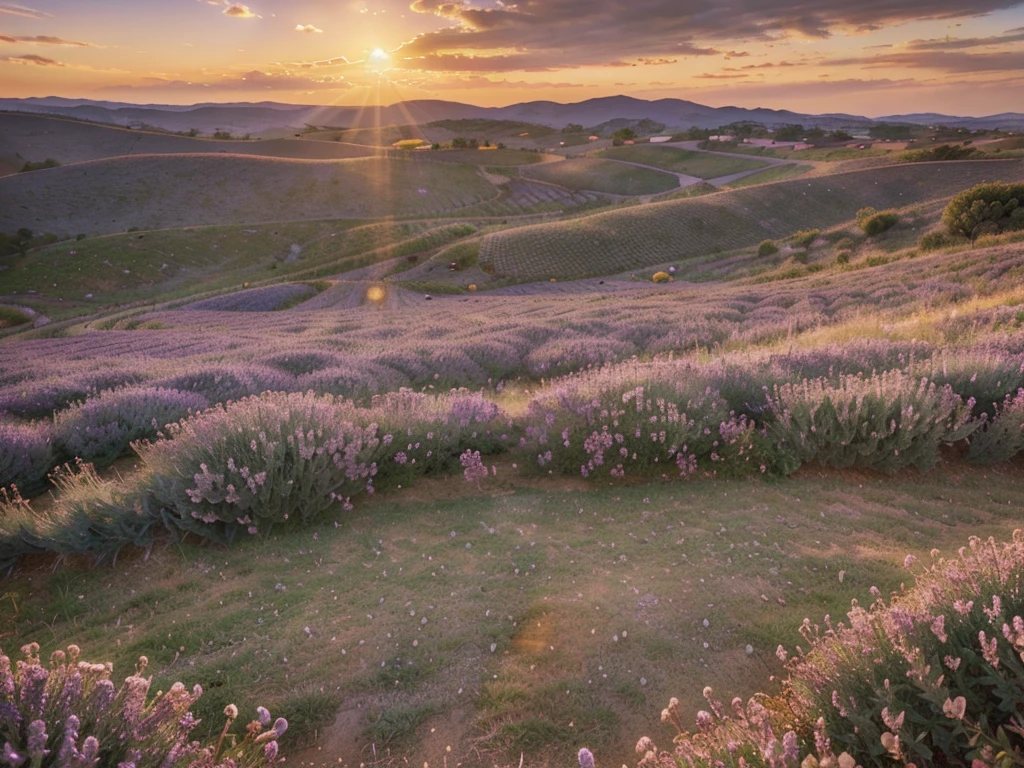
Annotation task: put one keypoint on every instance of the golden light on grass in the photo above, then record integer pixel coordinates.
(375, 293)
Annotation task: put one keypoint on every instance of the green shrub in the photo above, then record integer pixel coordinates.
(69, 713)
(877, 223)
(843, 257)
(984, 210)
(941, 152)
(933, 241)
(804, 237)
(11, 317)
(767, 248)
(39, 166)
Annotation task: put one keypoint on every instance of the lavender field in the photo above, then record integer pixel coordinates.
(412, 397)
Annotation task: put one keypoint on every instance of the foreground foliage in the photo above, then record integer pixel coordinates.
(70, 715)
(933, 677)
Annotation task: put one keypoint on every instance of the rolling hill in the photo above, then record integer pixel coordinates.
(269, 116)
(627, 239)
(160, 191)
(38, 137)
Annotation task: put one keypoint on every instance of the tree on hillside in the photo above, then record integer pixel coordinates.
(573, 128)
(790, 132)
(624, 134)
(889, 131)
(840, 135)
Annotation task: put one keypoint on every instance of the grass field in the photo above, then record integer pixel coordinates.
(772, 173)
(158, 192)
(173, 262)
(677, 230)
(535, 617)
(603, 176)
(699, 164)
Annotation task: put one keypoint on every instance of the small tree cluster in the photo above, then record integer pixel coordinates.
(986, 209)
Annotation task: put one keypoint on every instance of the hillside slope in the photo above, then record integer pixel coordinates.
(676, 230)
(38, 137)
(161, 191)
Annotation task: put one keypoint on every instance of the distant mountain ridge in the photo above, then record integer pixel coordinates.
(262, 117)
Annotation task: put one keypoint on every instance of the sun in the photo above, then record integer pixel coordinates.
(378, 54)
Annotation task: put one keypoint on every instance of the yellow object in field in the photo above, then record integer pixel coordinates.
(472, 288)
(661, 277)
(552, 280)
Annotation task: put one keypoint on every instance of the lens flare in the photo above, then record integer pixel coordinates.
(375, 294)
(378, 54)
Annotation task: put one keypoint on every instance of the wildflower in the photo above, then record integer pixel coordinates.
(955, 709)
(586, 758)
(989, 650)
(644, 746)
(938, 628)
(231, 712)
(908, 561)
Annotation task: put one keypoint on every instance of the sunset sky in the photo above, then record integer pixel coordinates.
(869, 57)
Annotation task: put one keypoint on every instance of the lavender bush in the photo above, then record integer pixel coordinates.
(887, 421)
(1003, 437)
(262, 461)
(251, 465)
(70, 715)
(933, 677)
(26, 455)
(102, 428)
(612, 423)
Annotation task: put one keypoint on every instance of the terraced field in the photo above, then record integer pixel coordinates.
(522, 196)
(603, 176)
(680, 229)
(497, 157)
(160, 191)
(700, 164)
(38, 137)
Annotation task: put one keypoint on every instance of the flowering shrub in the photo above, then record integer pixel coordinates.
(1003, 437)
(102, 428)
(602, 423)
(221, 383)
(26, 455)
(253, 464)
(886, 422)
(70, 715)
(934, 677)
(264, 460)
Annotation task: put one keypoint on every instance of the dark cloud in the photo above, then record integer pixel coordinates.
(478, 81)
(248, 81)
(31, 58)
(552, 34)
(961, 43)
(943, 61)
(41, 40)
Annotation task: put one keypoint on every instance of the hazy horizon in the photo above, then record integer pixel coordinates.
(818, 56)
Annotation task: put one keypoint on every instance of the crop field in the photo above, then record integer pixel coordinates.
(159, 192)
(699, 164)
(585, 174)
(361, 442)
(497, 157)
(37, 137)
(682, 229)
(773, 173)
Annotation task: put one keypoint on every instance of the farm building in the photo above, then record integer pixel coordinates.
(660, 139)
(722, 137)
(593, 138)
